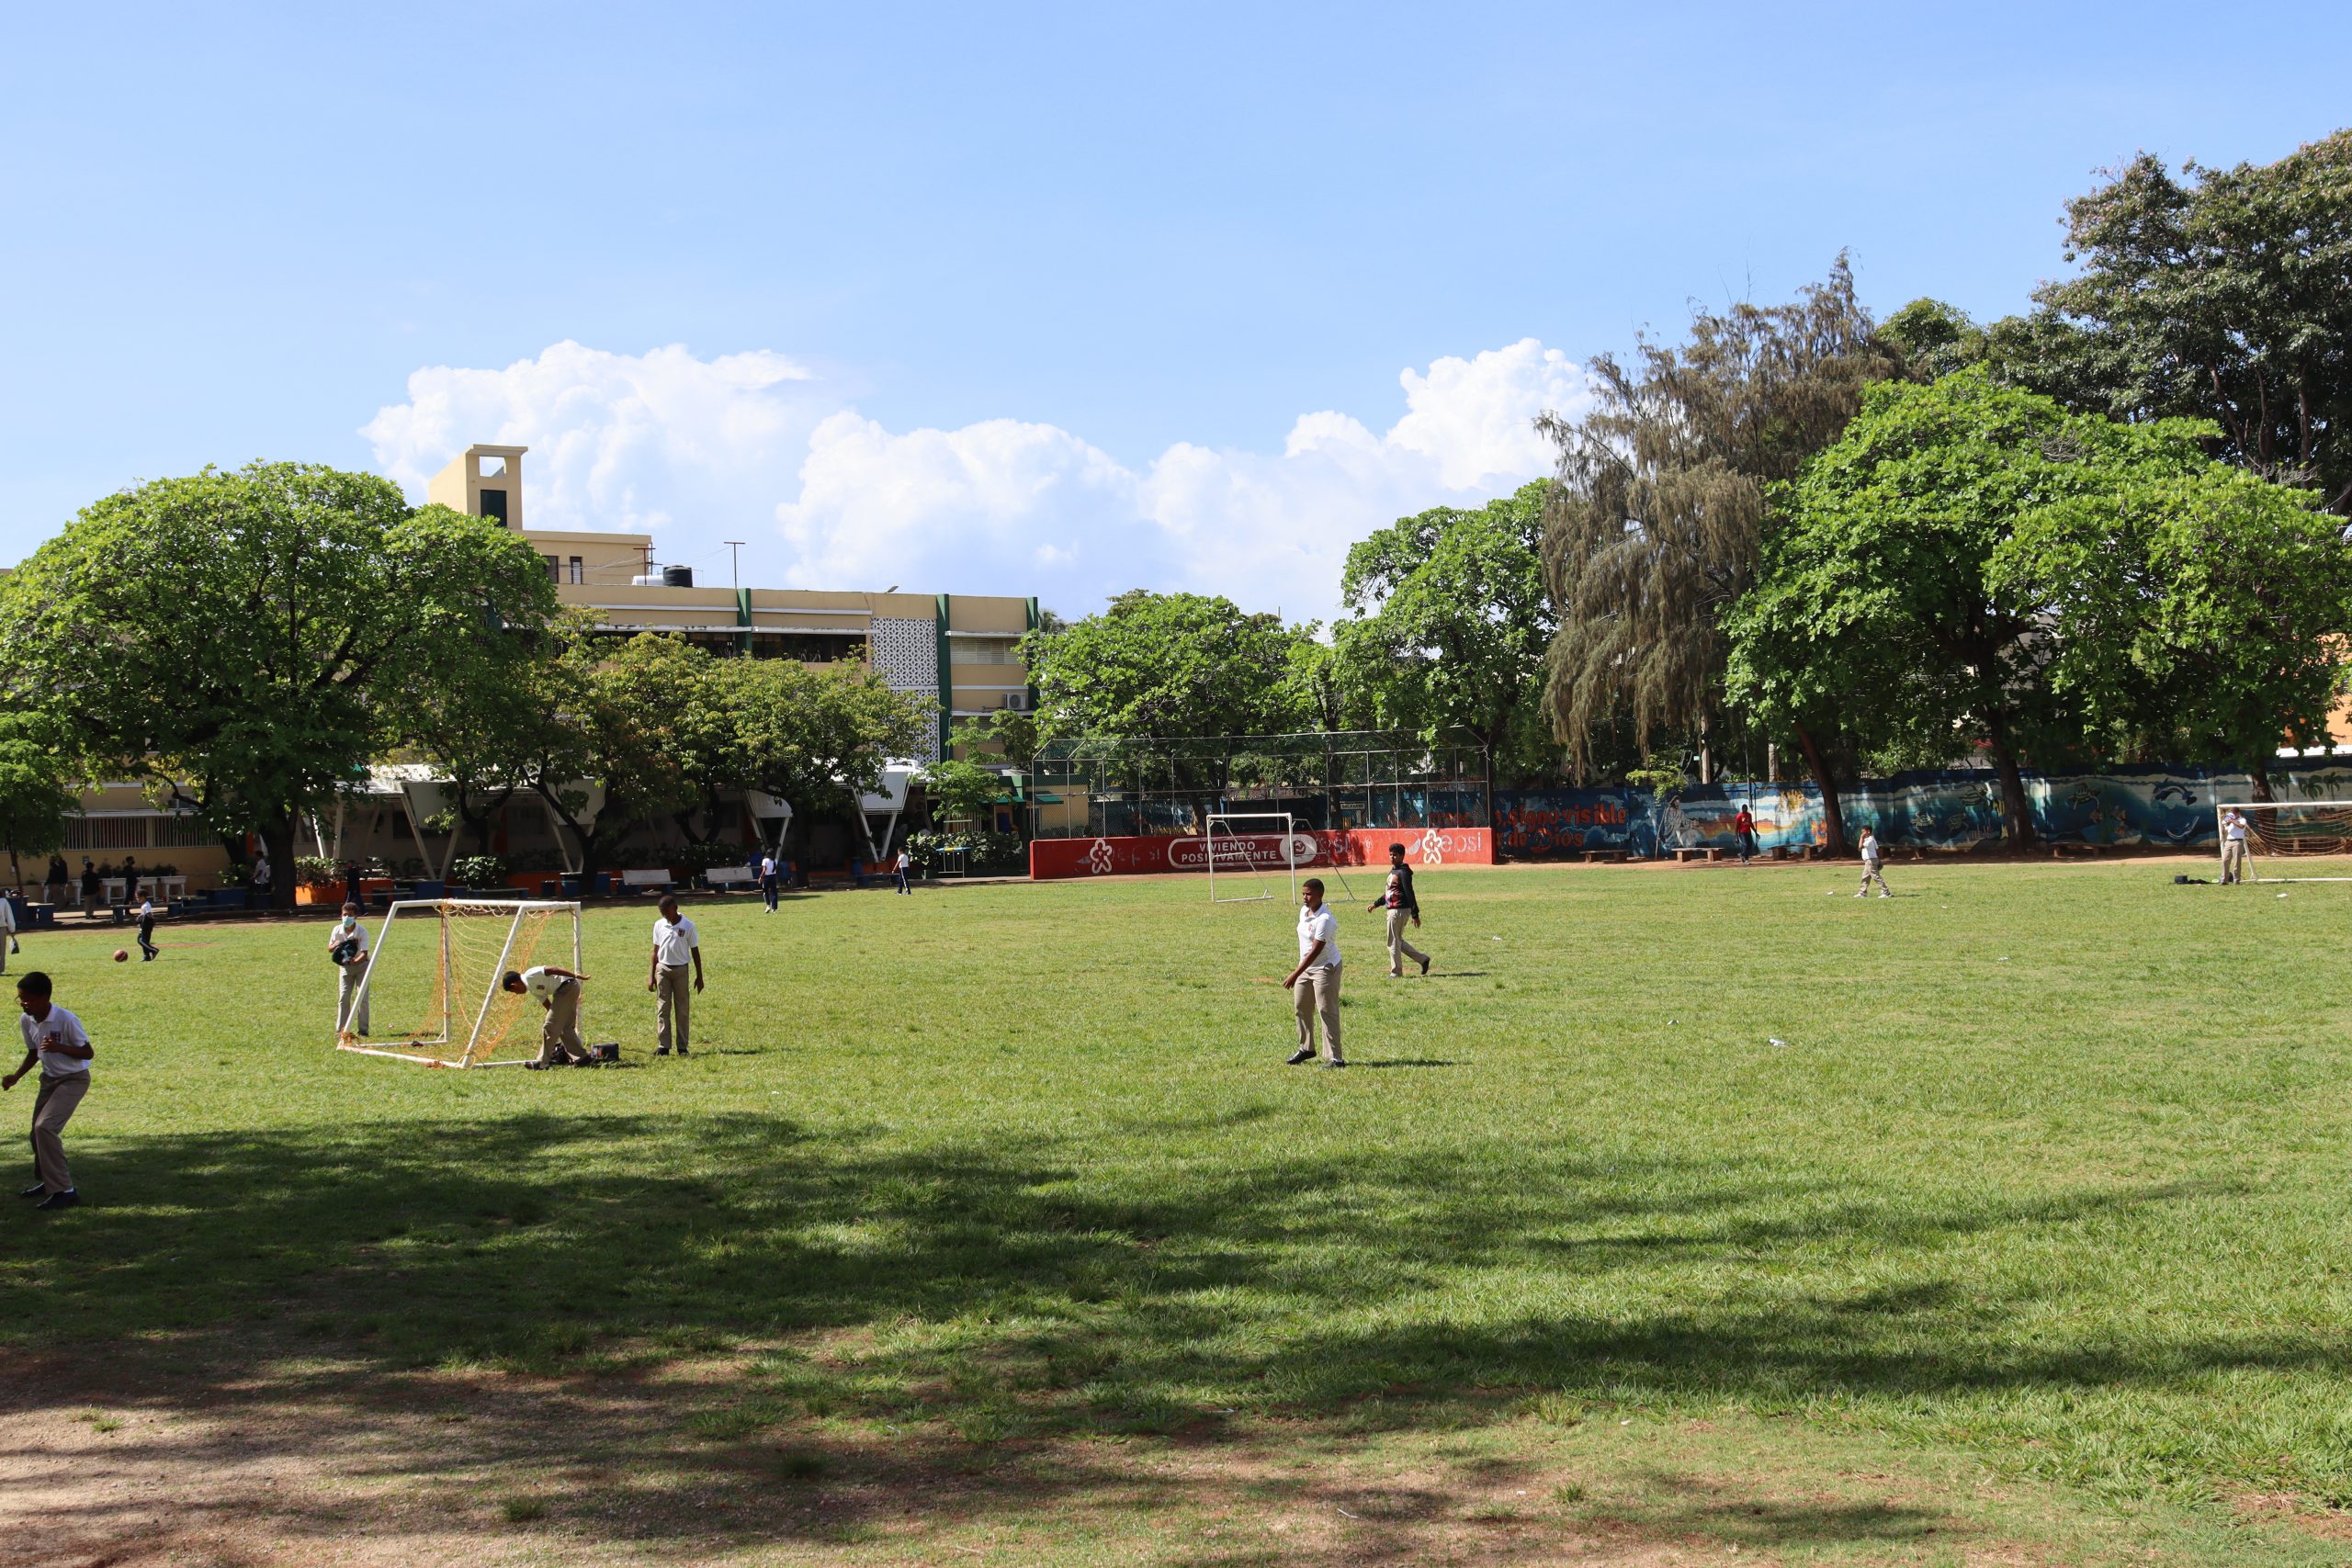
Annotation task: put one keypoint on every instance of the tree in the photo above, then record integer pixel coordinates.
(1165, 665)
(34, 798)
(247, 640)
(1654, 528)
(1972, 561)
(819, 739)
(2223, 294)
(961, 791)
(1007, 733)
(1454, 625)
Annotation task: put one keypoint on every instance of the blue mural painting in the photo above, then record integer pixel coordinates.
(2155, 806)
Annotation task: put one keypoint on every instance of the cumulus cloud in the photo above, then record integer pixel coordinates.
(692, 449)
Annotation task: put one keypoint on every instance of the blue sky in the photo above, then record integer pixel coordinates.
(1008, 298)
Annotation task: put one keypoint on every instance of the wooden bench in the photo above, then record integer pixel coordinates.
(1613, 856)
(646, 881)
(728, 877)
(1685, 854)
(2059, 852)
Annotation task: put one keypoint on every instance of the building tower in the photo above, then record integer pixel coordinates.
(482, 482)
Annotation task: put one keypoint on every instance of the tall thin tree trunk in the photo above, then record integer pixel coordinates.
(1816, 763)
(278, 837)
(2257, 772)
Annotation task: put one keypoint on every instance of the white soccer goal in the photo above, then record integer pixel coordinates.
(432, 990)
(1234, 850)
(2287, 831)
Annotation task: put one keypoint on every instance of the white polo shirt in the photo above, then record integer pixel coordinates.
(1318, 925)
(59, 1028)
(356, 933)
(767, 868)
(1870, 847)
(2235, 828)
(676, 944)
(541, 985)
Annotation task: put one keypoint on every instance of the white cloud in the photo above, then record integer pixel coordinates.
(695, 450)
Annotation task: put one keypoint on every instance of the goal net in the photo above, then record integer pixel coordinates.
(2284, 837)
(1245, 849)
(432, 990)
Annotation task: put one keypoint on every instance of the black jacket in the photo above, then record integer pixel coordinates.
(1404, 899)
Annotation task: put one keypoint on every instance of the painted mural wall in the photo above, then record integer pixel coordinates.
(2158, 806)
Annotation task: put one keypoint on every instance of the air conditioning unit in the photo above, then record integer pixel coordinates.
(1016, 701)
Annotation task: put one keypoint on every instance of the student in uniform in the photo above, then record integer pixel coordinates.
(91, 885)
(1398, 902)
(56, 1040)
(347, 946)
(2234, 836)
(904, 862)
(1871, 861)
(147, 948)
(57, 884)
(7, 931)
(676, 944)
(556, 990)
(767, 881)
(1315, 984)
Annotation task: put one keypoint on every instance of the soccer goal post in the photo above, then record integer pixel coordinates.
(432, 990)
(1235, 849)
(2286, 835)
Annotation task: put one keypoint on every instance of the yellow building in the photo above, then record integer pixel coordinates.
(957, 649)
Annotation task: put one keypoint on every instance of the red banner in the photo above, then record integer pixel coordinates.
(1055, 858)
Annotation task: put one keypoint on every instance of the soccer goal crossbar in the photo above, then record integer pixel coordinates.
(433, 990)
(2283, 830)
(1232, 841)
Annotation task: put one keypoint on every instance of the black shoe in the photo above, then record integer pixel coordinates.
(1335, 1062)
(38, 1189)
(534, 1067)
(682, 1050)
(661, 1050)
(1304, 1054)
(1425, 968)
(64, 1200)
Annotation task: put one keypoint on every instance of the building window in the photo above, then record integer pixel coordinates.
(579, 570)
(493, 505)
(808, 647)
(107, 832)
(982, 650)
(555, 569)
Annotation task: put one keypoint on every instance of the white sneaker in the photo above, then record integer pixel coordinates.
(1861, 894)
(1886, 894)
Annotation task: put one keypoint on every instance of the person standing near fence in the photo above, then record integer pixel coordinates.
(676, 946)
(1745, 825)
(1871, 862)
(2233, 846)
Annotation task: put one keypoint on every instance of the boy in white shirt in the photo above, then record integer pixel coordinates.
(1871, 861)
(347, 947)
(7, 929)
(2233, 846)
(56, 1040)
(1315, 984)
(902, 866)
(147, 948)
(767, 881)
(558, 990)
(676, 944)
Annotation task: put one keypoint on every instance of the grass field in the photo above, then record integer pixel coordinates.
(1681, 1217)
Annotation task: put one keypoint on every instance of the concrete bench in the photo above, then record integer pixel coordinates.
(646, 881)
(1697, 854)
(729, 877)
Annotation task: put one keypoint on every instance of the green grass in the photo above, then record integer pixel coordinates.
(2050, 1173)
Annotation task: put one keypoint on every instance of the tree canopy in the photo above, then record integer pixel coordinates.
(1163, 665)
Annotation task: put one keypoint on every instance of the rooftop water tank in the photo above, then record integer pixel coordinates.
(677, 577)
(646, 580)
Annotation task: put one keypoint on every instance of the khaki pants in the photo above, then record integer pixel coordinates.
(673, 986)
(346, 1019)
(1399, 949)
(559, 1036)
(1317, 994)
(52, 1108)
(2234, 860)
(1869, 874)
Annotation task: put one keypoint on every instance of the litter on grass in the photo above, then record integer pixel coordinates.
(1781, 1043)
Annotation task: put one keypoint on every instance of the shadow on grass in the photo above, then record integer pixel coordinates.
(1016, 1289)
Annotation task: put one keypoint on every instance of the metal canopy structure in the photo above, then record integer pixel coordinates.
(1323, 779)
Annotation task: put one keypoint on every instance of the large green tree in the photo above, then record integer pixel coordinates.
(1164, 665)
(1975, 563)
(1452, 626)
(1654, 525)
(249, 639)
(34, 793)
(821, 737)
(2219, 294)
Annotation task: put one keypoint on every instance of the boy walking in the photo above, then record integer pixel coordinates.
(767, 881)
(556, 990)
(1315, 984)
(347, 948)
(902, 866)
(7, 931)
(147, 948)
(1398, 902)
(56, 1040)
(676, 944)
(1743, 824)
(1871, 862)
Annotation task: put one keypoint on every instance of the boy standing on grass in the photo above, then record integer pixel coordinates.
(2233, 834)
(1315, 984)
(147, 948)
(1871, 862)
(56, 1040)
(1743, 824)
(7, 929)
(556, 990)
(676, 944)
(1400, 904)
(347, 947)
